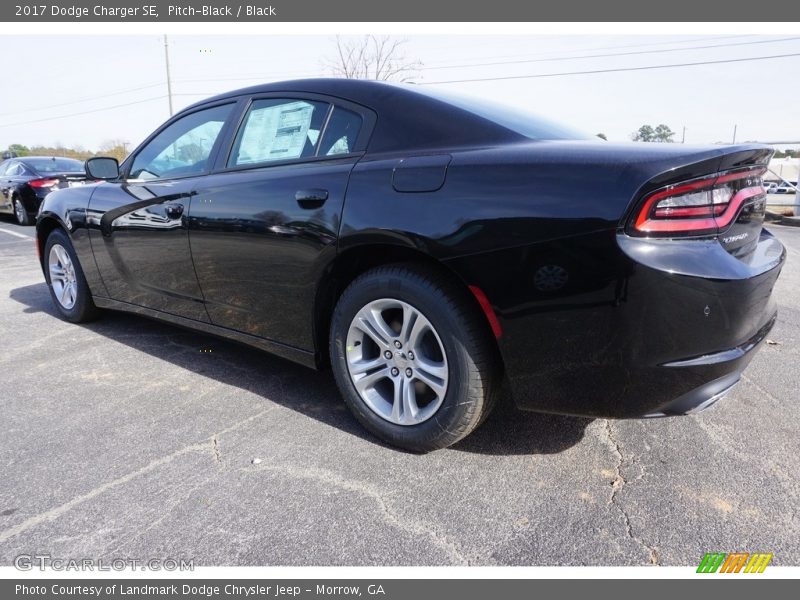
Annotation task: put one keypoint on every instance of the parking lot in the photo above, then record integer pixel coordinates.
(127, 438)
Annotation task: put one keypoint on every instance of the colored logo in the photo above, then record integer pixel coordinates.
(736, 562)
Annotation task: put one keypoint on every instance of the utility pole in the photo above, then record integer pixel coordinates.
(734, 134)
(683, 137)
(169, 78)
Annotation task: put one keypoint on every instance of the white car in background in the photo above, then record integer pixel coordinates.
(770, 187)
(785, 188)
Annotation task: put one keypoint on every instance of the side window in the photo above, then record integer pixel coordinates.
(3, 167)
(278, 129)
(182, 148)
(14, 170)
(341, 133)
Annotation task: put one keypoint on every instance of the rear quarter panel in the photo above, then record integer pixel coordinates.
(536, 227)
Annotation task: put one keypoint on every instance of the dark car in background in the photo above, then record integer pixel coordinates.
(426, 247)
(25, 181)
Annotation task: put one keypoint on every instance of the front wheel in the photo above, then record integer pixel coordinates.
(413, 357)
(68, 288)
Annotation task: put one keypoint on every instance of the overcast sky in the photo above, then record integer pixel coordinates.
(53, 77)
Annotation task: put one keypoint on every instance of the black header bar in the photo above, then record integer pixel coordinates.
(401, 11)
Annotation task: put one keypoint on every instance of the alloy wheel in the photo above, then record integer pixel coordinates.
(62, 276)
(397, 362)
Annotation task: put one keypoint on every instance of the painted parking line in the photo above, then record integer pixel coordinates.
(16, 234)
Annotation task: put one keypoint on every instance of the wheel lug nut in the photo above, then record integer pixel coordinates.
(387, 354)
(411, 356)
(397, 344)
(395, 371)
(409, 372)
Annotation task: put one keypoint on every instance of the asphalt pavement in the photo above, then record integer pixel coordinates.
(126, 438)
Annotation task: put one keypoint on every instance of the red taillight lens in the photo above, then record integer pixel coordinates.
(43, 183)
(697, 207)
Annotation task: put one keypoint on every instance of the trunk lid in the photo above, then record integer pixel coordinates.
(69, 179)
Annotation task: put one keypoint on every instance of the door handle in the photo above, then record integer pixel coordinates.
(174, 211)
(312, 198)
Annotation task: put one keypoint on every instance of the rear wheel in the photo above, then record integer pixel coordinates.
(65, 279)
(413, 358)
(21, 214)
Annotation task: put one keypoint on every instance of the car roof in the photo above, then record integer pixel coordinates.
(361, 91)
(24, 158)
(408, 118)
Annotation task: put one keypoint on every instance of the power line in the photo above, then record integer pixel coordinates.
(249, 76)
(60, 104)
(262, 76)
(562, 58)
(509, 77)
(617, 70)
(617, 47)
(86, 112)
(309, 74)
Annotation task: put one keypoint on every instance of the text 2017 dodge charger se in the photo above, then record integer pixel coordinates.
(427, 248)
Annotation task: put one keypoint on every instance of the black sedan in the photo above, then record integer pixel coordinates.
(24, 183)
(427, 248)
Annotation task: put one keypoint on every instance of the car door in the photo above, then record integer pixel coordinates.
(140, 233)
(267, 224)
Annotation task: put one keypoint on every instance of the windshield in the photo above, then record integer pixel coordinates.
(55, 165)
(520, 121)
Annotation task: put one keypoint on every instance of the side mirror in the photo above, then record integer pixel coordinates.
(102, 167)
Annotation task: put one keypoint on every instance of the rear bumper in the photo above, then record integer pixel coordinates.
(638, 327)
(700, 399)
(732, 362)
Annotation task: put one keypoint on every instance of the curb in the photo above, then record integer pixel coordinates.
(790, 221)
(776, 219)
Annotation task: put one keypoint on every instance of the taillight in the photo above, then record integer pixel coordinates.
(42, 183)
(697, 207)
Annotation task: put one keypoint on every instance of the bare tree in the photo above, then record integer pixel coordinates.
(373, 57)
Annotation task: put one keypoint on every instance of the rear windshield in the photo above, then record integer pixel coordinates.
(519, 121)
(55, 165)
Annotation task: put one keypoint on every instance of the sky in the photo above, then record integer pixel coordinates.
(87, 90)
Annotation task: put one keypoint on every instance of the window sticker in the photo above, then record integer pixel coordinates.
(276, 133)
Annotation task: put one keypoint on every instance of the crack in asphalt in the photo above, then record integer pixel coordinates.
(166, 512)
(749, 381)
(389, 516)
(54, 513)
(616, 487)
(215, 449)
(721, 438)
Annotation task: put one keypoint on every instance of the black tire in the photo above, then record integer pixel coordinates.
(83, 309)
(20, 213)
(474, 376)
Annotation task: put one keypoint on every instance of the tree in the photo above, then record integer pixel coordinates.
(373, 57)
(663, 134)
(114, 148)
(602, 136)
(646, 133)
(19, 149)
